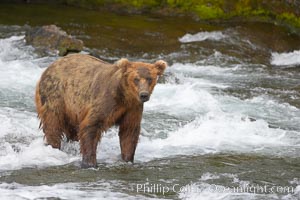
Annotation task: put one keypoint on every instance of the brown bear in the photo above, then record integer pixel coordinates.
(81, 97)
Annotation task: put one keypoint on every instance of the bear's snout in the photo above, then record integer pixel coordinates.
(144, 96)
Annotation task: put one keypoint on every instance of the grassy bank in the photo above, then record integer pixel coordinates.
(283, 12)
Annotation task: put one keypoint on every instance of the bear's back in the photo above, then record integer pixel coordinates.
(79, 63)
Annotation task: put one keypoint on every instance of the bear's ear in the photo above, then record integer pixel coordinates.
(160, 66)
(123, 64)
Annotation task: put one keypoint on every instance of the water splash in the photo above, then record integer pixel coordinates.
(201, 36)
(286, 59)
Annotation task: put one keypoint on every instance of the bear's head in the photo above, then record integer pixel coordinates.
(140, 78)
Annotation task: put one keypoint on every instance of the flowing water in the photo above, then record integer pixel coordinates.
(223, 124)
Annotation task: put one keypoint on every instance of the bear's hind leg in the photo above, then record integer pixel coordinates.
(52, 129)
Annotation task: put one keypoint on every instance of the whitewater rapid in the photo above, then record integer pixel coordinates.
(286, 59)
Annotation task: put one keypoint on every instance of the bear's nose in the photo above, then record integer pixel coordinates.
(144, 96)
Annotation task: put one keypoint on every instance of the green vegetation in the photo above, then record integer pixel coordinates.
(209, 12)
(99, 3)
(289, 18)
(280, 11)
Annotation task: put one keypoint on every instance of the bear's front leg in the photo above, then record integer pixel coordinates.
(129, 132)
(89, 138)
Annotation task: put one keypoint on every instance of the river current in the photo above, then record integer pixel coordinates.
(223, 123)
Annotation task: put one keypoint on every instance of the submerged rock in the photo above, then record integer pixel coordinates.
(51, 39)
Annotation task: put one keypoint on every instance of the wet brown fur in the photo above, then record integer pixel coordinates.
(80, 96)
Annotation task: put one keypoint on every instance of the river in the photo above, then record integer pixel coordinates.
(224, 123)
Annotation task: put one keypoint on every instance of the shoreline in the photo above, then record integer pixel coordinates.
(282, 13)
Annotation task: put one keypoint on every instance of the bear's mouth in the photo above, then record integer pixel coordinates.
(144, 100)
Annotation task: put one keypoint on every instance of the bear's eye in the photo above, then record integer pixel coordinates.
(149, 80)
(136, 81)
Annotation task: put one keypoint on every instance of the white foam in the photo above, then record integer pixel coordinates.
(201, 36)
(209, 176)
(22, 143)
(181, 99)
(18, 71)
(15, 123)
(263, 107)
(192, 70)
(18, 75)
(286, 59)
(213, 133)
(9, 50)
(34, 155)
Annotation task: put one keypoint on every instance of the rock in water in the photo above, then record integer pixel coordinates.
(51, 39)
